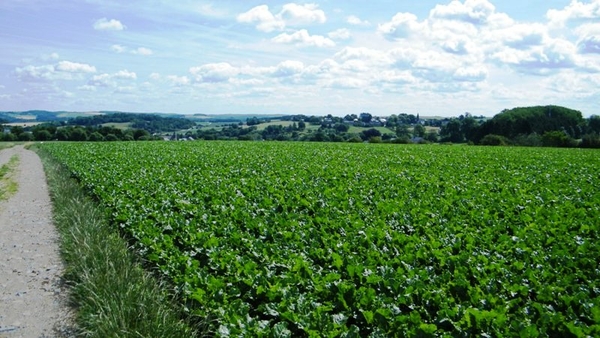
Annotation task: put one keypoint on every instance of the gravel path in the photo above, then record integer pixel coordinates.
(32, 302)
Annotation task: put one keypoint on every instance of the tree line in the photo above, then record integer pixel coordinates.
(51, 132)
(552, 126)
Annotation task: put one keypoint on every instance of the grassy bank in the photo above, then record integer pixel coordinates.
(112, 294)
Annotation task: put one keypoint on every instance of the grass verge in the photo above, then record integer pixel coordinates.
(8, 186)
(112, 294)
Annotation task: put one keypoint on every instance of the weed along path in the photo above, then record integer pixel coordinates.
(31, 304)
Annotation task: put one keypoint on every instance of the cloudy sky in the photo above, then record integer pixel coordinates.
(323, 57)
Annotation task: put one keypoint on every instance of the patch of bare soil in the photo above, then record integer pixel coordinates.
(32, 300)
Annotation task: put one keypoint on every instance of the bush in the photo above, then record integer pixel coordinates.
(494, 140)
(375, 139)
(557, 139)
(401, 140)
(530, 140)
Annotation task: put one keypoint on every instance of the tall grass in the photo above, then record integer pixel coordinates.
(112, 294)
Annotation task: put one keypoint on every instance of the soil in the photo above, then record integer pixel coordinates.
(32, 297)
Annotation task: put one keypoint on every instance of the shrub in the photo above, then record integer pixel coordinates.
(494, 140)
(557, 139)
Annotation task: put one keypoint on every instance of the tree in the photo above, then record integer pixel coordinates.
(419, 130)
(367, 134)
(451, 132)
(140, 133)
(17, 130)
(42, 135)
(469, 127)
(341, 127)
(96, 136)
(62, 134)
(402, 131)
(432, 136)
(26, 136)
(111, 137)
(365, 117)
(301, 125)
(78, 134)
(594, 124)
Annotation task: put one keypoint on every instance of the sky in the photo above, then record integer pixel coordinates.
(435, 58)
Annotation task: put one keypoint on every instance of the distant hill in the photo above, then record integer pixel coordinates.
(40, 116)
(153, 123)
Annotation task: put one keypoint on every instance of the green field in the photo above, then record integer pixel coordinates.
(122, 126)
(356, 240)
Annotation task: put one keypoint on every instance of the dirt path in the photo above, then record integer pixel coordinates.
(31, 299)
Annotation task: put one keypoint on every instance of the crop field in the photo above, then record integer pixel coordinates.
(356, 240)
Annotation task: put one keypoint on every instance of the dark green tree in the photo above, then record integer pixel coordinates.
(78, 134)
(451, 132)
(419, 130)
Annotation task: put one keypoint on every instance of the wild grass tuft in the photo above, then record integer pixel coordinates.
(8, 186)
(112, 294)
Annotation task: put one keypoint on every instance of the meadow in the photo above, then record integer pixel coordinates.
(354, 240)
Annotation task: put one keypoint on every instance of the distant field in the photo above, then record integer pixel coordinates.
(76, 114)
(264, 126)
(383, 130)
(122, 126)
(23, 124)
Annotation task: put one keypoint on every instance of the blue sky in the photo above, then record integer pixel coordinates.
(385, 57)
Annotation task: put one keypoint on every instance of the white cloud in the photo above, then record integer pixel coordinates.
(470, 74)
(346, 83)
(74, 67)
(87, 88)
(291, 14)
(475, 12)
(294, 14)
(214, 72)
(403, 25)
(118, 48)
(575, 11)
(459, 45)
(396, 77)
(102, 80)
(178, 80)
(340, 34)
(589, 38)
(520, 36)
(355, 20)
(108, 25)
(154, 76)
(124, 74)
(138, 51)
(35, 73)
(288, 68)
(589, 45)
(142, 51)
(557, 54)
(124, 90)
(63, 70)
(302, 38)
(262, 16)
(110, 80)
